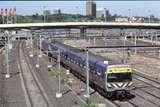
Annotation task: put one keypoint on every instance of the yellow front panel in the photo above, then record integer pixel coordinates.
(119, 70)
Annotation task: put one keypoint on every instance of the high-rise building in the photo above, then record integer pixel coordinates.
(91, 8)
(100, 13)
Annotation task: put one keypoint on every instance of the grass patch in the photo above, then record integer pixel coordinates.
(54, 73)
(90, 103)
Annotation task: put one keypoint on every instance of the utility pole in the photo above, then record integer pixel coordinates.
(7, 55)
(37, 65)
(2, 19)
(105, 15)
(59, 94)
(31, 46)
(149, 16)
(124, 43)
(44, 15)
(105, 41)
(156, 41)
(135, 43)
(89, 40)
(40, 46)
(87, 74)
(94, 41)
(7, 17)
(49, 58)
(129, 10)
(152, 39)
(77, 13)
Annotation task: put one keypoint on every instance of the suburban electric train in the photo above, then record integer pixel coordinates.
(105, 76)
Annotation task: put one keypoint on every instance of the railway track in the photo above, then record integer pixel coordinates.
(149, 90)
(140, 93)
(35, 97)
(3, 99)
(107, 101)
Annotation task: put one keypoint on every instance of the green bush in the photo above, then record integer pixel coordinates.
(90, 103)
(53, 72)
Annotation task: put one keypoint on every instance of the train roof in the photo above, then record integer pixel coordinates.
(81, 53)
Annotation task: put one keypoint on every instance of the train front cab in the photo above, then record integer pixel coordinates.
(118, 80)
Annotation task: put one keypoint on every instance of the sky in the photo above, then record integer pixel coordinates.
(138, 8)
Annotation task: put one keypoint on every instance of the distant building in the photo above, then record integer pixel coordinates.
(121, 19)
(136, 20)
(47, 12)
(57, 11)
(99, 14)
(91, 8)
(106, 13)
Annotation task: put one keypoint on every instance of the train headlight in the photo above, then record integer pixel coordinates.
(109, 85)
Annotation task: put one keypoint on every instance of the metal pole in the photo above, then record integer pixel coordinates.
(2, 19)
(37, 65)
(156, 41)
(7, 18)
(159, 53)
(105, 41)
(44, 15)
(135, 42)
(152, 39)
(87, 74)
(59, 94)
(124, 43)
(94, 41)
(49, 58)
(7, 58)
(105, 14)
(77, 13)
(149, 16)
(15, 19)
(89, 40)
(31, 46)
(40, 46)
(129, 14)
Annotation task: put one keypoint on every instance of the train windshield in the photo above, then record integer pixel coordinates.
(119, 77)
